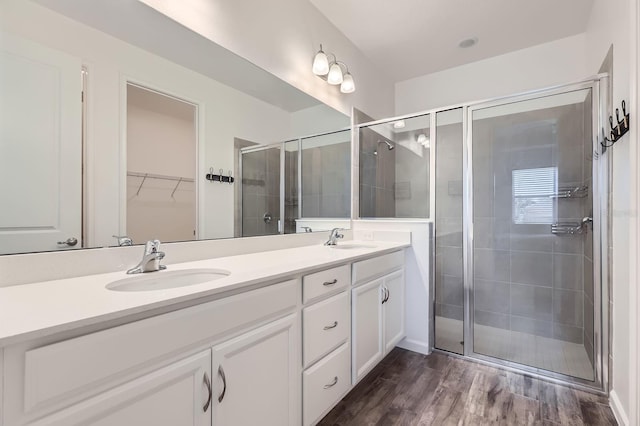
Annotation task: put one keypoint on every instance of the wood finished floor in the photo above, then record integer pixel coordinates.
(407, 388)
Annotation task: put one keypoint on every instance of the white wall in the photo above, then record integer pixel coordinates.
(557, 62)
(317, 119)
(611, 23)
(225, 113)
(282, 36)
(417, 274)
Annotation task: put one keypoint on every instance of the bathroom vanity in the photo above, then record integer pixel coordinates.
(278, 339)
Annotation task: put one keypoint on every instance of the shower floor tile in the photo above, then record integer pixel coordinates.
(535, 351)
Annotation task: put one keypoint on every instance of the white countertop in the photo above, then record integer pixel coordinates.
(30, 311)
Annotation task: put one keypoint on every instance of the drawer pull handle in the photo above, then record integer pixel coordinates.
(329, 327)
(332, 384)
(207, 383)
(224, 383)
(328, 283)
(388, 294)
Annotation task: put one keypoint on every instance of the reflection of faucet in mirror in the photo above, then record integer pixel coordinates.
(123, 240)
(307, 229)
(150, 259)
(335, 235)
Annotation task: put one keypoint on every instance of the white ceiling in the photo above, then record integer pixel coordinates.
(409, 38)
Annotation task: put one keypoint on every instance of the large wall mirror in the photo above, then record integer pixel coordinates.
(112, 115)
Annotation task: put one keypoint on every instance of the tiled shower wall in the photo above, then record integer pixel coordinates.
(290, 191)
(525, 278)
(260, 192)
(326, 181)
(377, 176)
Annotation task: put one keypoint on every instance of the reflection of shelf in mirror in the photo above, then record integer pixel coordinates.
(146, 176)
(163, 177)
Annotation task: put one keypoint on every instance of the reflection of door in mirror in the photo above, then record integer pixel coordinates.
(161, 167)
(40, 148)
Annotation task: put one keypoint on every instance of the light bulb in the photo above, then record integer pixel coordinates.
(399, 124)
(348, 85)
(320, 63)
(423, 140)
(335, 74)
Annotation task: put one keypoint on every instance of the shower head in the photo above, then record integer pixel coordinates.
(389, 146)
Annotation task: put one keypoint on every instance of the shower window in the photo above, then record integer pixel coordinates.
(533, 190)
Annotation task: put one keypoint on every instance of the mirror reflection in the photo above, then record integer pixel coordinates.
(107, 135)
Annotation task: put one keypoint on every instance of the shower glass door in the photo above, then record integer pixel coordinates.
(260, 172)
(531, 283)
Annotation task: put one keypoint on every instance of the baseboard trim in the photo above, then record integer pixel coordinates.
(415, 346)
(617, 409)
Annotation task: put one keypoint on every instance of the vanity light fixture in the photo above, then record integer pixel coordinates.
(333, 72)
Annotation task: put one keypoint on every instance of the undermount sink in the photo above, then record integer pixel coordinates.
(167, 279)
(350, 246)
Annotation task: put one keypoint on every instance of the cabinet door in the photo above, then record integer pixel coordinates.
(256, 380)
(178, 394)
(393, 310)
(367, 328)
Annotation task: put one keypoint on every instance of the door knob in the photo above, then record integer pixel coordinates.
(69, 242)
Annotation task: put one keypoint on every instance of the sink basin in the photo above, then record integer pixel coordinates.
(351, 246)
(166, 279)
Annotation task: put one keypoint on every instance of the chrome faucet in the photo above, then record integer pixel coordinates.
(123, 240)
(150, 260)
(335, 234)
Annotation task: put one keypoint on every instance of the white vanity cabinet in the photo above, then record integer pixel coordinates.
(326, 336)
(257, 377)
(178, 394)
(167, 364)
(377, 310)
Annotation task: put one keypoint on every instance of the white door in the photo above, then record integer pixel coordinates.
(367, 328)
(393, 310)
(178, 394)
(40, 147)
(257, 377)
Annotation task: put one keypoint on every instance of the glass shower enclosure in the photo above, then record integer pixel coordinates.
(521, 196)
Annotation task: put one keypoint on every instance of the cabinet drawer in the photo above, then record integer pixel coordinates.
(326, 325)
(324, 282)
(325, 383)
(76, 368)
(369, 269)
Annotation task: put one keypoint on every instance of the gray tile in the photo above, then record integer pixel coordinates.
(567, 307)
(588, 278)
(491, 233)
(570, 244)
(531, 302)
(567, 333)
(532, 268)
(588, 317)
(452, 290)
(531, 326)
(588, 347)
(449, 311)
(491, 265)
(452, 261)
(491, 319)
(567, 271)
(531, 237)
(491, 296)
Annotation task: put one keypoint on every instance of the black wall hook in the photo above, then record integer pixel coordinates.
(618, 130)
